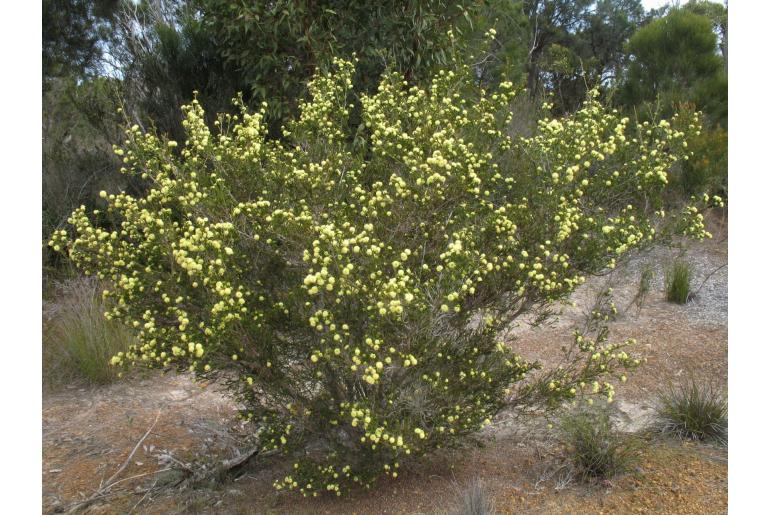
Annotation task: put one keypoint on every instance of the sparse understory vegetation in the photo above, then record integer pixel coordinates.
(474, 500)
(693, 410)
(596, 449)
(78, 342)
(678, 279)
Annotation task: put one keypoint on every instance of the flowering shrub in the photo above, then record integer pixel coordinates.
(350, 292)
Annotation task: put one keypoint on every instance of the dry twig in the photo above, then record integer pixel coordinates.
(104, 489)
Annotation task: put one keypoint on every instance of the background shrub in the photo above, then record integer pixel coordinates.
(693, 410)
(677, 282)
(707, 170)
(351, 289)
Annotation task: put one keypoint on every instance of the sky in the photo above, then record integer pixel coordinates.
(653, 4)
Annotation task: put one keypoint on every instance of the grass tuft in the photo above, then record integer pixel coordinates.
(678, 282)
(693, 411)
(475, 500)
(597, 450)
(78, 341)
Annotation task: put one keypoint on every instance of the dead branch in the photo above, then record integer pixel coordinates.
(706, 279)
(231, 467)
(104, 490)
(131, 455)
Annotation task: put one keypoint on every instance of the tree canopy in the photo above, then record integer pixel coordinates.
(674, 59)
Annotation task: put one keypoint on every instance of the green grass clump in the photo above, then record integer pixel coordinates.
(694, 411)
(475, 500)
(678, 282)
(596, 449)
(78, 342)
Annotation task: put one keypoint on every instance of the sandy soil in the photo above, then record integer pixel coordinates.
(89, 432)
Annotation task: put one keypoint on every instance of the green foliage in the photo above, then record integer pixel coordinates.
(72, 30)
(474, 500)
(351, 292)
(693, 410)
(597, 450)
(277, 46)
(707, 170)
(674, 60)
(716, 12)
(597, 45)
(78, 341)
(166, 51)
(563, 48)
(79, 125)
(677, 282)
(506, 57)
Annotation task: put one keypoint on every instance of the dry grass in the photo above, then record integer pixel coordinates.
(474, 500)
(78, 341)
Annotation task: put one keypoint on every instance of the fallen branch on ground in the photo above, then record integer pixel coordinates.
(104, 489)
(707, 278)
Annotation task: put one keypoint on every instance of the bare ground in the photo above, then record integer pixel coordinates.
(89, 432)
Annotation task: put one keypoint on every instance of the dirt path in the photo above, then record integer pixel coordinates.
(88, 433)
